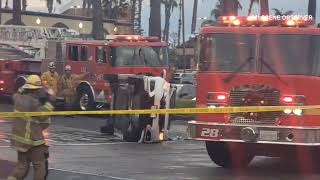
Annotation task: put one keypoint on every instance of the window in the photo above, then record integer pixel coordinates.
(139, 56)
(73, 53)
(84, 53)
(100, 55)
(316, 45)
(286, 54)
(227, 52)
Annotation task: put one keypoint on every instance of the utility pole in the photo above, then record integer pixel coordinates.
(179, 28)
(183, 38)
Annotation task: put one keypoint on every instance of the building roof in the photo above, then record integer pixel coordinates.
(189, 43)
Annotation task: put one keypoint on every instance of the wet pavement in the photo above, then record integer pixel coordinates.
(80, 152)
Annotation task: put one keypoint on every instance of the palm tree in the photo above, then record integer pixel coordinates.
(194, 16)
(16, 14)
(230, 7)
(133, 11)
(50, 4)
(169, 6)
(226, 8)
(24, 5)
(86, 3)
(217, 11)
(97, 24)
(251, 5)
(0, 10)
(139, 15)
(312, 8)
(155, 18)
(264, 6)
(7, 4)
(281, 13)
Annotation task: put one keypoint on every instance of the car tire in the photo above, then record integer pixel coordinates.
(130, 125)
(84, 100)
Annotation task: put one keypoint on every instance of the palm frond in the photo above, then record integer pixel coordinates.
(288, 13)
(277, 11)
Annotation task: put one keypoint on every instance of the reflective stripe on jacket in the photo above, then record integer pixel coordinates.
(27, 131)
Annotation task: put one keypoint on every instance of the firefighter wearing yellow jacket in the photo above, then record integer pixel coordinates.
(50, 78)
(67, 86)
(27, 132)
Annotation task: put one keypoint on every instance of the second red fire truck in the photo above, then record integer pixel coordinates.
(137, 62)
(255, 61)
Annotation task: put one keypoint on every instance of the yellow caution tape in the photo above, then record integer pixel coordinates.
(313, 109)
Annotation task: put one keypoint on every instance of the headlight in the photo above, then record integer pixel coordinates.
(287, 111)
(298, 112)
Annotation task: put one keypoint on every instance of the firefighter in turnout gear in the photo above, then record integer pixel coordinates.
(67, 86)
(50, 78)
(27, 132)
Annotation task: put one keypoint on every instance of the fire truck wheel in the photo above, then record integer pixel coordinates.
(84, 100)
(229, 155)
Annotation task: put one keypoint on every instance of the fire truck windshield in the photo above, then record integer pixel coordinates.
(278, 54)
(288, 54)
(227, 52)
(139, 56)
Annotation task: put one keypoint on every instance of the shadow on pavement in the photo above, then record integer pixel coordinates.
(6, 168)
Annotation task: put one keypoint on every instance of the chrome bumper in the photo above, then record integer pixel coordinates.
(288, 135)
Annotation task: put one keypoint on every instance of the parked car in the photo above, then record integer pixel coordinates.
(188, 78)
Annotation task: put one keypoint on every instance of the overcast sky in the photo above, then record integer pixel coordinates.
(298, 6)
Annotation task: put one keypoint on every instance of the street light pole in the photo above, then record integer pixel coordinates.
(183, 38)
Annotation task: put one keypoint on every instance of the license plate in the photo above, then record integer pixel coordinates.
(268, 135)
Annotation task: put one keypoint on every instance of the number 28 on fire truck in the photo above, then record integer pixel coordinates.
(255, 61)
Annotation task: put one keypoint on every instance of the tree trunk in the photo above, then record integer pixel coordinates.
(264, 7)
(250, 7)
(133, 11)
(0, 12)
(194, 16)
(140, 12)
(97, 24)
(24, 5)
(167, 22)
(155, 18)
(230, 8)
(312, 8)
(7, 4)
(50, 6)
(180, 21)
(16, 16)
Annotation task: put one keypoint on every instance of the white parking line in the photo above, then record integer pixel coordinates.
(92, 144)
(4, 146)
(91, 174)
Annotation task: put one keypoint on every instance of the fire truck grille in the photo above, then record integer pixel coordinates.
(267, 97)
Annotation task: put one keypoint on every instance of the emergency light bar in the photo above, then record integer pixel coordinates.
(133, 38)
(289, 21)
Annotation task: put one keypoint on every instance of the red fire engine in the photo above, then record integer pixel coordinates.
(126, 54)
(256, 61)
(123, 54)
(125, 72)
